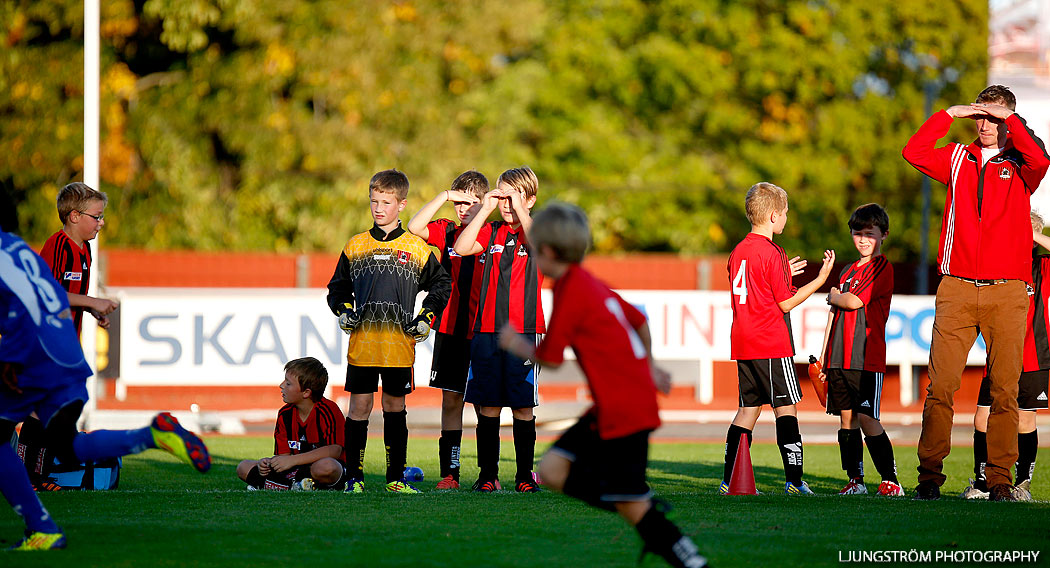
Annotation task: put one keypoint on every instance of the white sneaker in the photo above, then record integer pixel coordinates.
(1022, 491)
(854, 487)
(797, 489)
(972, 492)
(305, 484)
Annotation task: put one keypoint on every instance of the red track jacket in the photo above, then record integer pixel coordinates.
(985, 232)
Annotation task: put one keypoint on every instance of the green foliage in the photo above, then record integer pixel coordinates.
(254, 125)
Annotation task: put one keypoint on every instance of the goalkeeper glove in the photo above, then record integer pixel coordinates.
(348, 318)
(419, 328)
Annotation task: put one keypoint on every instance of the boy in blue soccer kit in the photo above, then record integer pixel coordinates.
(44, 371)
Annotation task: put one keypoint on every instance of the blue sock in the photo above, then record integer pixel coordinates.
(19, 492)
(103, 444)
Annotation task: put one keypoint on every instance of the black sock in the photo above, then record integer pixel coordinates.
(790, 442)
(663, 537)
(851, 449)
(881, 451)
(732, 445)
(488, 447)
(524, 448)
(1027, 446)
(856, 448)
(356, 438)
(980, 458)
(255, 479)
(395, 436)
(448, 452)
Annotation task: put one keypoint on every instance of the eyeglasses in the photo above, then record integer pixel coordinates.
(95, 217)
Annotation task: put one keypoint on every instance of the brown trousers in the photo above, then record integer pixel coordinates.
(997, 312)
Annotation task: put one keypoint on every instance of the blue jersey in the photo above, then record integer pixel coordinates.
(36, 330)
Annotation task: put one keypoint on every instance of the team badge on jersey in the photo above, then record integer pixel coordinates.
(72, 276)
(403, 256)
(1004, 173)
(522, 251)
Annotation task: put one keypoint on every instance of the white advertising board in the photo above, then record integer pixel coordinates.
(185, 336)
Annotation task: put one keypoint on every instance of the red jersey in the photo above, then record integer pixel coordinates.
(510, 282)
(858, 337)
(600, 327)
(985, 230)
(458, 316)
(323, 427)
(71, 266)
(1036, 342)
(760, 278)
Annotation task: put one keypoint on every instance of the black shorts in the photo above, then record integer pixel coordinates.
(768, 381)
(617, 466)
(498, 377)
(397, 381)
(280, 480)
(451, 363)
(859, 391)
(1031, 391)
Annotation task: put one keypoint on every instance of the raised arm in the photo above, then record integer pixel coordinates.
(417, 225)
(807, 290)
(467, 244)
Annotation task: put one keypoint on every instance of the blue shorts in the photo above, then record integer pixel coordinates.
(45, 402)
(498, 377)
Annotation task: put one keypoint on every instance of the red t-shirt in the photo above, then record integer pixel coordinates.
(71, 266)
(858, 337)
(1036, 343)
(458, 316)
(510, 282)
(760, 278)
(600, 327)
(323, 427)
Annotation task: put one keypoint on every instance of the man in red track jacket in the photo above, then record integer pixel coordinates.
(985, 257)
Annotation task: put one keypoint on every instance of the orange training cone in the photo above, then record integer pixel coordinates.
(743, 480)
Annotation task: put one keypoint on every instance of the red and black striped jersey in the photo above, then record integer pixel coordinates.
(760, 279)
(510, 282)
(71, 266)
(858, 337)
(458, 316)
(1037, 337)
(323, 427)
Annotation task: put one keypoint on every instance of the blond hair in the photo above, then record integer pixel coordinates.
(390, 181)
(762, 199)
(472, 182)
(1037, 222)
(563, 228)
(77, 196)
(311, 375)
(522, 179)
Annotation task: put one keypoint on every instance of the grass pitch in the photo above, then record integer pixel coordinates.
(166, 514)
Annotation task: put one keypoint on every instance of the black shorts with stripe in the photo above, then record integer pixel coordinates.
(397, 381)
(1031, 391)
(451, 363)
(604, 471)
(859, 391)
(768, 381)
